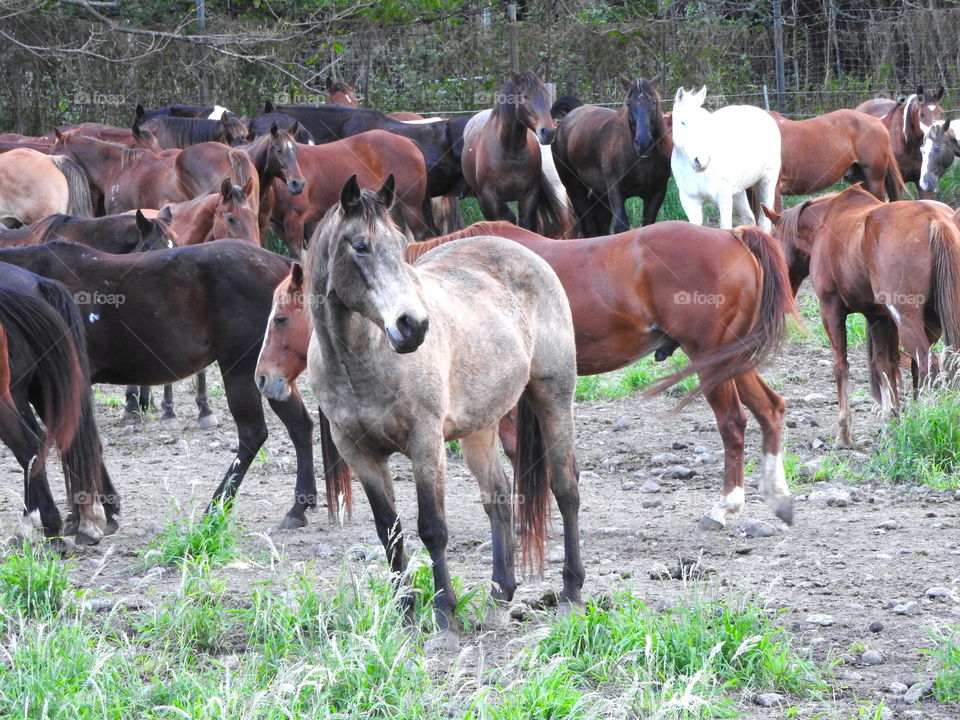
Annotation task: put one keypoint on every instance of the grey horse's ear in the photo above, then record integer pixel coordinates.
(350, 195)
(387, 194)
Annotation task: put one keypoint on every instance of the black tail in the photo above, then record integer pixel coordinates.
(563, 105)
(83, 461)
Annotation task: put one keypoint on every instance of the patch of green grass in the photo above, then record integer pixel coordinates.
(639, 376)
(33, 582)
(922, 445)
(946, 651)
(453, 447)
(809, 308)
(211, 542)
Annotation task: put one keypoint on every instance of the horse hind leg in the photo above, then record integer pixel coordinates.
(21, 433)
(551, 402)
(168, 418)
(768, 408)
(207, 420)
(295, 418)
(481, 454)
(834, 317)
(731, 423)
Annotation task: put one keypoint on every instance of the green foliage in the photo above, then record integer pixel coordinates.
(639, 376)
(922, 445)
(33, 582)
(208, 543)
(946, 651)
(809, 307)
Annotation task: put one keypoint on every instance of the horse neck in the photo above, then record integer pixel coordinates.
(99, 160)
(259, 153)
(193, 221)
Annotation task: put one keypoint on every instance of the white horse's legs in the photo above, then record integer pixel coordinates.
(742, 205)
(767, 188)
(693, 207)
(725, 206)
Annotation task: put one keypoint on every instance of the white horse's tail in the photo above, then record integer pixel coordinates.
(555, 216)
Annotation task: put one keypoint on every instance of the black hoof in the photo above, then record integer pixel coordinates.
(292, 522)
(784, 510)
(708, 523)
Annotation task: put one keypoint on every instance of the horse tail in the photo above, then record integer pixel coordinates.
(555, 217)
(563, 105)
(336, 473)
(764, 337)
(83, 460)
(945, 239)
(79, 201)
(40, 331)
(893, 179)
(753, 200)
(532, 486)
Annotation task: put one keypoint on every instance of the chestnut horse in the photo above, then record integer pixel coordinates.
(898, 264)
(930, 110)
(181, 310)
(605, 156)
(371, 156)
(724, 304)
(43, 363)
(341, 93)
(34, 185)
(132, 138)
(937, 152)
(506, 156)
(818, 152)
(274, 155)
(128, 179)
(907, 123)
(229, 212)
(387, 385)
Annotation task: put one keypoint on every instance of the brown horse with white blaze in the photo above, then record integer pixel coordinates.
(898, 264)
(388, 385)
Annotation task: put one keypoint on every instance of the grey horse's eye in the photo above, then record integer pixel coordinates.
(361, 247)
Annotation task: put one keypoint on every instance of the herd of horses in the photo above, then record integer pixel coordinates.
(135, 257)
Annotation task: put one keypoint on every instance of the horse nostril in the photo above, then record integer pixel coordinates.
(261, 382)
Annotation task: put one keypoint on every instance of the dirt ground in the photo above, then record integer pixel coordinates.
(855, 560)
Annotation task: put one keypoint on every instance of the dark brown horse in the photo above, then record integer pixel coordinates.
(897, 263)
(215, 300)
(818, 152)
(605, 156)
(117, 234)
(274, 155)
(721, 295)
(907, 123)
(506, 157)
(180, 132)
(930, 110)
(43, 365)
(372, 157)
(128, 179)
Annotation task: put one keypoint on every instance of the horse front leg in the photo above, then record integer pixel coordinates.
(621, 222)
(493, 208)
(834, 316)
(652, 204)
(692, 207)
(207, 420)
(295, 418)
(168, 418)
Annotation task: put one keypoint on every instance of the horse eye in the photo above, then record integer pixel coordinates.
(280, 321)
(361, 247)
(229, 217)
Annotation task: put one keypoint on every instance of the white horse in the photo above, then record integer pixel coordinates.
(719, 156)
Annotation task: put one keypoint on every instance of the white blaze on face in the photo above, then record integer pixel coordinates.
(728, 507)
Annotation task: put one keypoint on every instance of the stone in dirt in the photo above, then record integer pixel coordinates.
(629, 485)
(665, 459)
(768, 699)
(756, 529)
(875, 627)
(897, 688)
(679, 472)
(820, 619)
(908, 608)
(622, 423)
(871, 657)
(650, 487)
(938, 592)
(832, 497)
(916, 692)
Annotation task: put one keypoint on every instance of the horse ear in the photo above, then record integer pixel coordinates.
(939, 95)
(771, 214)
(625, 81)
(388, 193)
(679, 96)
(251, 134)
(295, 128)
(329, 83)
(226, 187)
(139, 114)
(542, 71)
(920, 92)
(701, 96)
(59, 135)
(296, 276)
(136, 130)
(946, 124)
(144, 225)
(274, 130)
(350, 195)
(514, 77)
(656, 80)
(268, 108)
(165, 213)
(248, 187)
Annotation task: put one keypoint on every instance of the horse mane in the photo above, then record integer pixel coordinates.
(79, 200)
(497, 228)
(240, 162)
(906, 113)
(128, 156)
(189, 131)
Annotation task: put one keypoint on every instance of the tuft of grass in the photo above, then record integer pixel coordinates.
(453, 448)
(211, 542)
(33, 582)
(922, 445)
(809, 307)
(639, 376)
(946, 651)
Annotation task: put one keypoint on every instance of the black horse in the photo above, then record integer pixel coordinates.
(154, 318)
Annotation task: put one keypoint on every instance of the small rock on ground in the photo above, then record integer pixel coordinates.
(820, 619)
(768, 699)
(908, 608)
(871, 657)
(757, 529)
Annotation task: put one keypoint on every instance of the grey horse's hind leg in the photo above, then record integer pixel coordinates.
(482, 456)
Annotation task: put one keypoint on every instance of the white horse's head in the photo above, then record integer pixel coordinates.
(690, 127)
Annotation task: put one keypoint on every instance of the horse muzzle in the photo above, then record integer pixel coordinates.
(699, 165)
(407, 334)
(296, 186)
(546, 135)
(273, 387)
